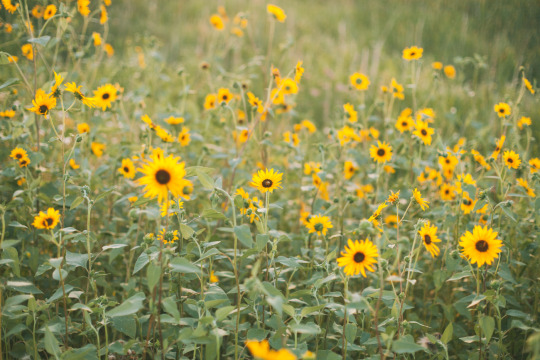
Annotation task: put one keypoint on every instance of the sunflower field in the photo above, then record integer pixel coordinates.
(269, 180)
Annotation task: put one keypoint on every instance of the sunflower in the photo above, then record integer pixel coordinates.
(24, 162)
(255, 102)
(450, 71)
(511, 159)
(502, 109)
(397, 89)
(47, 220)
(267, 180)
(319, 224)
(358, 257)
(37, 11)
(349, 169)
(213, 277)
(404, 123)
(359, 81)
(298, 71)
(224, 95)
(350, 113)
(259, 349)
(184, 138)
(479, 158)
(98, 148)
(535, 165)
(381, 153)
(127, 169)
(524, 120)
(161, 175)
(103, 16)
(391, 220)
(50, 10)
(83, 128)
(422, 202)
(528, 85)
(428, 234)
(423, 131)
(523, 183)
(18, 154)
(43, 103)
(277, 12)
(467, 204)
(168, 237)
(498, 147)
(309, 126)
(412, 53)
(447, 192)
(73, 164)
(393, 198)
(481, 246)
(448, 161)
(28, 51)
(104, 96)
(82, 7)
(288, 86)
(172, 120)
(437, 65)
(76, 90)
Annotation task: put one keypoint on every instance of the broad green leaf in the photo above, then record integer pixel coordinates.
(487, 323)
(24, 287)
(88, 352)
(192, 170)
(243, 232)
(406, 345)
(206, 181)
(311, 309)
(184, 266)
(51, 343)
(141, 262)
(170, 306)
(186, 231)
(447, 334)
(212, 214)
(128, 307)
(311, 329)
(76, 259)
(126, 325)
(43, 40)
(350, 332)
(223, 312)
(152, 276)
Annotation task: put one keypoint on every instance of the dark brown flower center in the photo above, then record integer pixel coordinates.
(381, 152)
(49, 221)
(424, 132)
(43, 109)
(359, 257)
(18, 156)
(427, 239)
(510, 160)
(319, 227)
(163, 177)
(267, 183)
(105, 96)
(126, 169)
(501, 110)
(413, 53)
(467, 202)
(447, 161)
(482, 246)
(358, 80)
(404, 123)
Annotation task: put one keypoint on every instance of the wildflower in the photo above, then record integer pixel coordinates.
(259, 349)
(127, 168)
(528, 85)
(217, 22)
(349, 169)
(254, 101)
(104, 96)
(224, 95)
(161, 175)
(447, 192)
(298, 72)
(350, 113)
(18, 154)
(172, 120)
(9, 6)
(8, 114)
(535, 165)
(467, 204)
(213, 278)
(502, 109)
(448, 161)
(109, 50)
(428, 234)
(391, 220)
(55, 89)
(388, 169)
(393, 198)
(405, 121)
(24, 162)
(524, 121)
(47, 220)
(28, 51)
(184, 138)
(73, 164)
(97, 148)
(76, 90)
(168, 237)
(289, 138)
(43, 103)
(362, 190)
(82, 7)
(21, 181)
(346, 134)
(437, 65)
(465, 179)
(97, 39)
(103, 14)
(309, 126)
(358, 257)
(480, 159)
(511, 159)
(423, 131)
(397, 89)
(499, 144)
(418, 198)
(311, 166)
(412, 53)
(450, 71)
(481, 246)
(267, 180)
(132, 199)
(288, 86)
(319, 224)
(359, 81)
(83, 128)
(523, 183)
(50, 10)
(277, 12)
(381, 153)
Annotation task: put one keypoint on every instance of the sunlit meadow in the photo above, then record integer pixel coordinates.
(272, 181)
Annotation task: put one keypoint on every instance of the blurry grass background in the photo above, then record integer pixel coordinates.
(487, 41)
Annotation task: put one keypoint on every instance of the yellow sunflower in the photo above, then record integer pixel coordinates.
(184, 138)
(288, 86)
(528, 85)
(523, 183)
(24, 162)
(447, 192)
(428, 234)
(168, 237)
(18, 154)
(511, 159)
(76, 90)
(404, 123)
(161, 175)
(277, 12)
(481, 246)
(43, 103)
(224, 95)
(50, 10)
(502, 109)
(412, 53)
(423, 131)
(98, 148)
(422, 202)
(535, 165)
(358, 257)
(73, 164)
(104, 96)
(83, 128)
(381, 153)
(350, 113)
(319, 224)
(498, 147)
(213, 277)
(267, 180)
(47, 220)
(127, 168)
(450, 71)
(349, 169)
(359, 81)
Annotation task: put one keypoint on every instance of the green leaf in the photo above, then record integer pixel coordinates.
(43, 40)
(261, 241)
(223, 312)
(406, 345)
(11, 253)
(9, 82)
(509, 213)
(152, 276)
(243, 232)
(141, 262)
(88, 352)
(212, 214)
(350, 332)
(76, 259)
(460, 275)
(184, 266)
(311, 309)
(170, 307)
(192, 170)
(487, 323)
(76, 202)
(206, 181)
(311, 329)
(24, 287)
(51, 343)
(126, 325)
(186, 231)
(128, 307)
(447, 334)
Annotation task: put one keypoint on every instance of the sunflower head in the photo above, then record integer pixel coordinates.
(511, 159)
(47, 220)
(428, 235)
(267, 180)
(481, 246)
(358, 257)
(381, 153)
(319, 224)
(161, 176)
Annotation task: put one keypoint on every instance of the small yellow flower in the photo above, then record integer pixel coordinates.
(217, 22)
(319, 224)
(418, 198)
(277, 12)
(450, 71)
(412, 53)
(213, 277)
(502, 109)
(50, 10)
(511, 159)
(359, 81)
(524, 121)
(98, 148)
(437, 65)
(83, 128)
(358, 257)
(349, 169)
(73, 164)
(184, 138)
